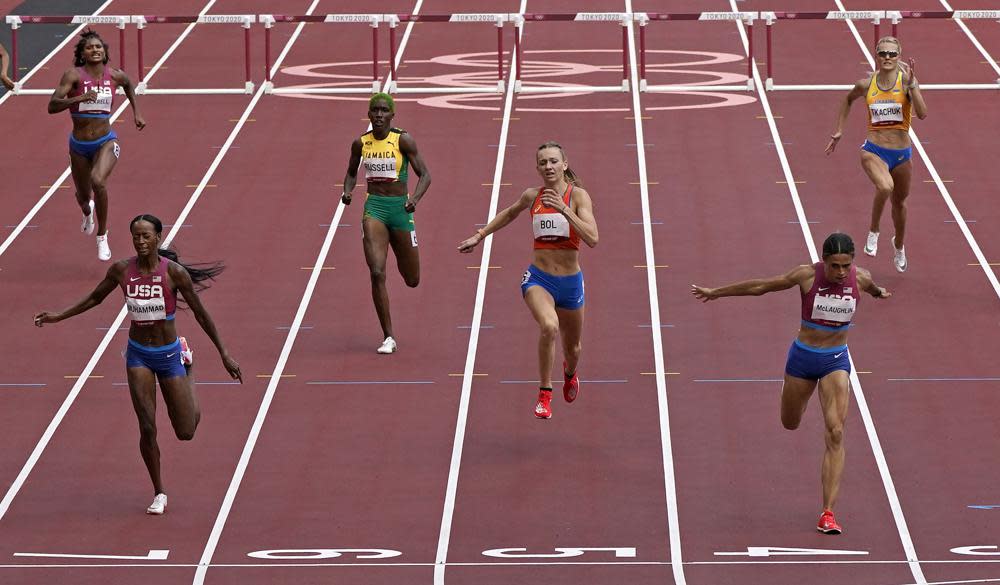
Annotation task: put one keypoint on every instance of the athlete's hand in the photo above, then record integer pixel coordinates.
(410, 206)
(553, 200)
(911, 76)
(834, 139)
(882, 293)
(346, 198)
(232, 367)
(7, 82)
(703, 294)
(140, 122)
(90, 96)
(468, 245)
(44, 317)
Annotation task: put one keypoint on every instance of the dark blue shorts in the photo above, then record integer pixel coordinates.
(813, 363)
(164, 361)
(893, 157)
(566, 290)
(89, 148)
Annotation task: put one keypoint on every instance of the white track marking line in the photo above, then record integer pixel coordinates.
(666, 445)
(121, 109)
(29, 465)
(448, 513)
(58, 48)
(279, 368)
(982, 51)
(883, 467)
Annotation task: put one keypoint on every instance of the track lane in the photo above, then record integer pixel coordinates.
(78, 444)
(742, 480)
(596, 463)
(380, 481)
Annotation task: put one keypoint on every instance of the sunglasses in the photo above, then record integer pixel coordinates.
(888, 54)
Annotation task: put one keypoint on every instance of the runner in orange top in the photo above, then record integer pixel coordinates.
(890, 92)
(561, 216)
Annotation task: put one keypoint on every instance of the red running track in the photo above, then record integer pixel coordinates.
(341, 462)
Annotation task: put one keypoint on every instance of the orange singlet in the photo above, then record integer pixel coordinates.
(551, 229)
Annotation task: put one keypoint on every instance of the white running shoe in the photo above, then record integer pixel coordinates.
(87, 226)
(388, 346)
(899, 260)
(871, 246)
(187, 354)
(159, 505)
(103, 249)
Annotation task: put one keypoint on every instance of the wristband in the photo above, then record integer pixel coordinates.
(482, 235)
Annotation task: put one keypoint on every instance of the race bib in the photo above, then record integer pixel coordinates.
(550, 226)
(380, 169)
(834, 308)
(886, 113)
(103, 102)
(147, 309)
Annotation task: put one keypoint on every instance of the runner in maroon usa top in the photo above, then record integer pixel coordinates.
(819, 355)
(151, 281)
(87, 90)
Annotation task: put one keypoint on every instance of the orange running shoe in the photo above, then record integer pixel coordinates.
(827, 523)
(543, 409)
(571, 385)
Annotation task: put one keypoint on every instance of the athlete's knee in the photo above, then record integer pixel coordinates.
(549, 328)
(377, 274)
(147, 430)
(884, 190)
(98, 182)
(185, 434)
(835, 436)
(411, 280)
(790, 422)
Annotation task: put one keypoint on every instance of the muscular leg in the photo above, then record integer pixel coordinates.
(80, 168)
(182, 404)
(795, 395)
(571, 328)
(878, 172)
(104, 163)
(142, 388)
(407, 256)
(376, 248)
(834, 396)
(543, 309)
(901, 180)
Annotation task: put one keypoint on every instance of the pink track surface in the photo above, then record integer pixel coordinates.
(356, 449)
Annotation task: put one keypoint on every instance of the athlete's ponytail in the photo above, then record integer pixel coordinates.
(200, 273)
(571, 177)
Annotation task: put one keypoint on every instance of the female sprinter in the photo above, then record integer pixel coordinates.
(387, 153)
(87, 91)
(890, 92)
(151, 281)
(819, 355)
(562, 214)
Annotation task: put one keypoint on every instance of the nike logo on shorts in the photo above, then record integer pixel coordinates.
(837, 355)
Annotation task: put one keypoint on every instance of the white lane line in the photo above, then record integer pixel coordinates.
(279, 368)
(58, 48)
(666, 445)
(448, 513)
(29, 465)
(121, 109)
(859, 395)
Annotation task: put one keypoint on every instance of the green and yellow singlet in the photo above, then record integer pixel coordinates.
(384, 162)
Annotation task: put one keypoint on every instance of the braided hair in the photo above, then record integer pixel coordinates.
(838, 243)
